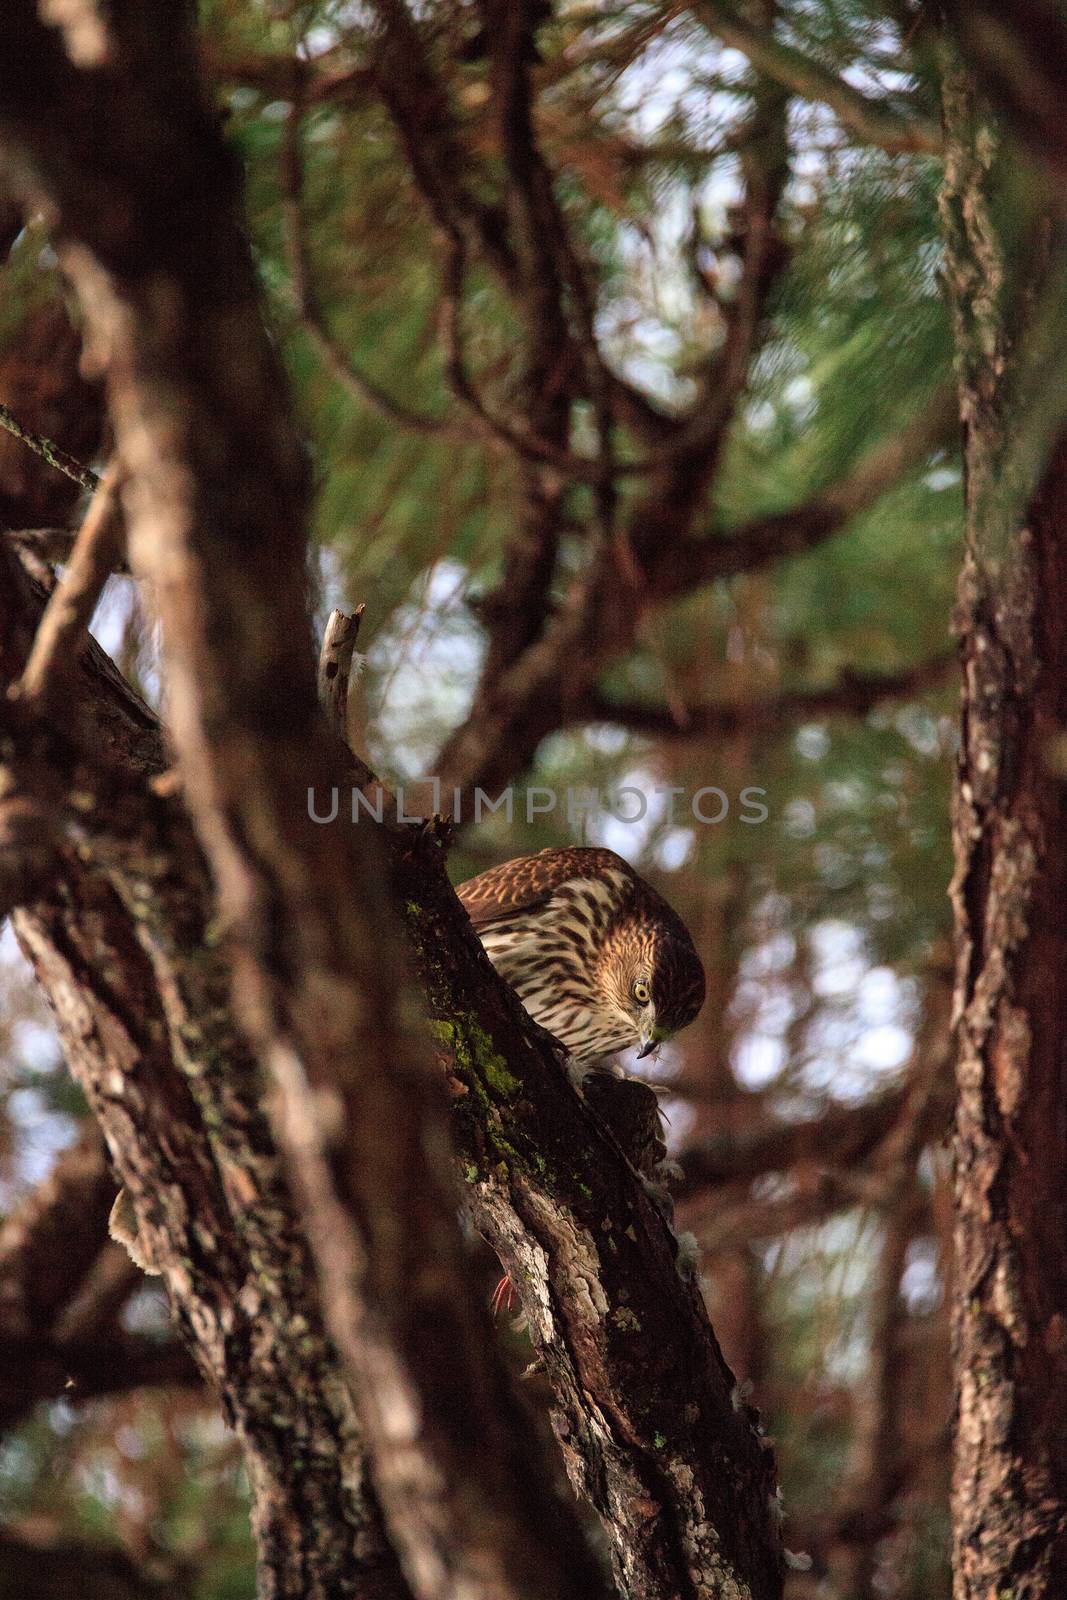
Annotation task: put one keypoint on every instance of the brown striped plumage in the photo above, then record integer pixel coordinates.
(597, 957)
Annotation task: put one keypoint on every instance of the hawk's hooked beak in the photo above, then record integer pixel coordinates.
(650, 1042)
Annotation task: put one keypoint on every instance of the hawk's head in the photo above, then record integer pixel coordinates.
(648, 971)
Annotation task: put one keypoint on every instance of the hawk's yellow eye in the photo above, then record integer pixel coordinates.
(641, 993)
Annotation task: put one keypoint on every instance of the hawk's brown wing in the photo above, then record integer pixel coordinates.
(529, 882)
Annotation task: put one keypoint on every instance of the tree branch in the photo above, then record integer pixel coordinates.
(141, 1027)
(442, 170)
(840, 1137)
(62, 630)
(869, 119)
(335, 668)
(219, 1220)
(551, 684)
(49, 451)
(853, 694)
(35, 1368)
(54, 1569)
(602, 613)
(765, 540)
(551, 1192)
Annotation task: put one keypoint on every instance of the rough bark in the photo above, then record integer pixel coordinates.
(232, 1254)
(588, 1248)
(1009, 890)
(670, 1467)
(685, 1486)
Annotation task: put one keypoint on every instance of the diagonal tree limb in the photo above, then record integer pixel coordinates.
(240, 1295)
(597, 621)
(49, 451)
(38, 1367)
(139, 1026)
(62, 630)
(542, 1197)
(886, 1134)
(838, 1138)
(765, 540)
(45, 1568)
(869, 119)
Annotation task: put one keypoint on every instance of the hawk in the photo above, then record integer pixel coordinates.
(596, 956)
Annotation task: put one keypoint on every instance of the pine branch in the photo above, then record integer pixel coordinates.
(769, 539)
(853, 694)
(869, 119)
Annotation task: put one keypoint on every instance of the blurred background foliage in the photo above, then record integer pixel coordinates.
(824, 927)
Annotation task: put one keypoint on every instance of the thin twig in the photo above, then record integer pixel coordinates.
(65, 623)
(49, 451)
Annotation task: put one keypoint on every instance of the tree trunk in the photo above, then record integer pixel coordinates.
(1009, 894)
